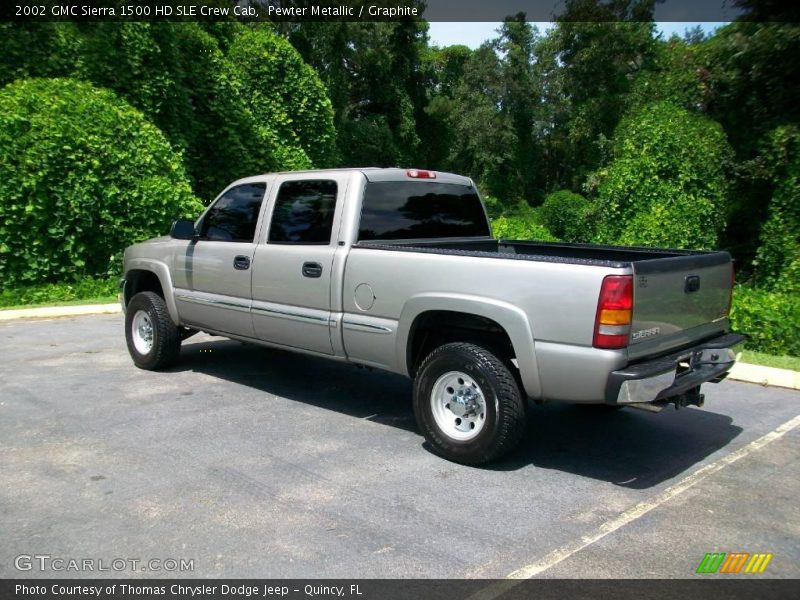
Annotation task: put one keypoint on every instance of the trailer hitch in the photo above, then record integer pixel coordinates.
(691, 397)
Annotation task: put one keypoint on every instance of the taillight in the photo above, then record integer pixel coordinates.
(420, 174)
(612, 325)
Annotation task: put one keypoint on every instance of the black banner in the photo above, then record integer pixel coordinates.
(379, 10)
(717, 588)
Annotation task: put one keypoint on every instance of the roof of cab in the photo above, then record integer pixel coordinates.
(375, 174)
(402, 175)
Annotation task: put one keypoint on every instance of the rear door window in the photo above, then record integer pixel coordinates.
(303, 212)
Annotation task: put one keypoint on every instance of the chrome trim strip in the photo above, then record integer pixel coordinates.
(368, 327)
(289, 314)
(211, 302)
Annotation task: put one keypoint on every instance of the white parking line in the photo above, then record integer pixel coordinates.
(632, 514)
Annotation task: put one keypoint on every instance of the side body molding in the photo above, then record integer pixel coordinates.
(161, 271)
(509, 317)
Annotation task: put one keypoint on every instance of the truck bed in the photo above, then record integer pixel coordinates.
(667, 313)
(559, 252)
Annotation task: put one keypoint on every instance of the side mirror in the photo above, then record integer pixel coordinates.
(183, 229)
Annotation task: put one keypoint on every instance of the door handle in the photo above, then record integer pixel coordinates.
(241, 263)
(312, 269)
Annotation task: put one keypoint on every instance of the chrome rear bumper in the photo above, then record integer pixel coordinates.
(675, 374)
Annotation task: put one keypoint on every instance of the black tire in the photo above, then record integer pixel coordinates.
(166, 339)
(505, 416)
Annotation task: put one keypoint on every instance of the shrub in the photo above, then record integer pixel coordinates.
(520, 228)
(567, 215)
(83, 289)
(771, 319)
(176, 74)
(37, 49)
(84, 175)
(268, 113)
(286, 94)
(666, 185)
(780, 234)
(493, 206)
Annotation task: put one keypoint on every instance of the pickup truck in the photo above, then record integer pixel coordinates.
(397, 269)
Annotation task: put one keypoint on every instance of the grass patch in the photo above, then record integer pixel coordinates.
(767, 360)
(85, 291)
(98, 300)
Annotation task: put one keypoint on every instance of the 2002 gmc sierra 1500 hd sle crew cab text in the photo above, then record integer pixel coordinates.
(397, 269)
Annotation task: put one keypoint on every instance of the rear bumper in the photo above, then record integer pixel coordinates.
(675, 374)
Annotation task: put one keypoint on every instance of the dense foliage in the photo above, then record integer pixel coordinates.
(286, 98)
(666, 185)
(519, 228)
(84, 290)
(778, 257)
(175, 74)
(235, 101)
(770, 318)
(84, 175)
(569, 216)
(372, 74)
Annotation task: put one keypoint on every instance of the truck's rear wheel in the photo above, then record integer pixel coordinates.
(468, 405)
(154, 342)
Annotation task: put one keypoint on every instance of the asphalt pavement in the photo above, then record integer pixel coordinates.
(251, 462)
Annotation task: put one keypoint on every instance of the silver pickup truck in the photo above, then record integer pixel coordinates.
(397, 269)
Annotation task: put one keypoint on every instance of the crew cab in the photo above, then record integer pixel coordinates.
(397, 269)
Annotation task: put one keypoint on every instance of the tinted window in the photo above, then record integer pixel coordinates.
(408, 210)
(303, 212)
(233, 217)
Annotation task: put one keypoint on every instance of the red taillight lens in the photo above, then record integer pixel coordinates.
(612, 325)
(420, 174)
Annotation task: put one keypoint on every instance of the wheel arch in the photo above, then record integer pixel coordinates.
(145, 275)
(493, 322)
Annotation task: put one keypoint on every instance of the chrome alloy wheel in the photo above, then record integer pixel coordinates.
(142, 332)
(458, 406)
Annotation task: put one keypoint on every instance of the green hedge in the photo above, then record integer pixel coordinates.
(568, 215)
(87, 289)
(83, 176)
(771, 319)
(176, 74)
(236, 100)
(777, 261)
(666, 185)
(285, 94)
(520, 228)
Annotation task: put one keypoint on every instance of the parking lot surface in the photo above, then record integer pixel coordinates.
(261, 463)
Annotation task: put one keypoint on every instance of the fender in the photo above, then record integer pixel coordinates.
(161, 271)
(508, 316)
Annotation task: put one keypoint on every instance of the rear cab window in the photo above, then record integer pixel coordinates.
(399, 210)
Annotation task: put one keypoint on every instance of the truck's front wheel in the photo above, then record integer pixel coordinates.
(154, 341)
(467, 404)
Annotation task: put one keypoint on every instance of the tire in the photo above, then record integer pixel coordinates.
(147, 320)
(468, 404)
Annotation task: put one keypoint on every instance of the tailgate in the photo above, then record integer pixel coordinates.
(679, 300)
